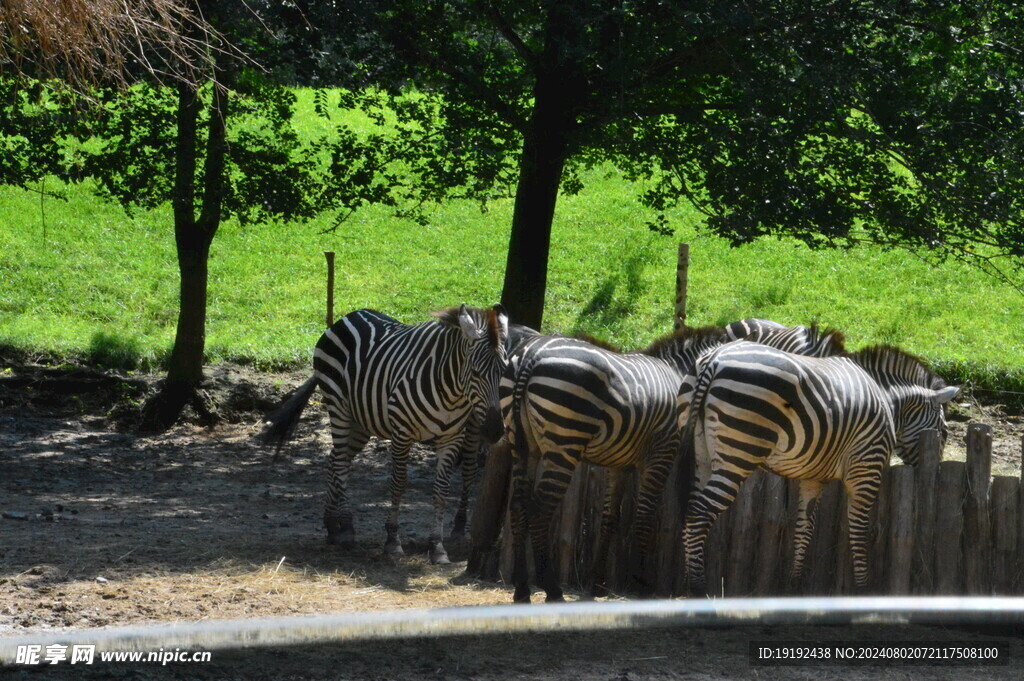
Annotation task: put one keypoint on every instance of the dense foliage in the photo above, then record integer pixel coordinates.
(894, 122)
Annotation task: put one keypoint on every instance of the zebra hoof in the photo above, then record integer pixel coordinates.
(438, 556)
(698, 588)
(521, 595)
(393, 547)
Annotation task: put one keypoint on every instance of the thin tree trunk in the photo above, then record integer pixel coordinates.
(193, 238)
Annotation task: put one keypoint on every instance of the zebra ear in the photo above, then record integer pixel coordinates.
(502, 319)
(946, 394)
(469, 328)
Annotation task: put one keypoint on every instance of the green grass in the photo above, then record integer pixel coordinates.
(99, 285)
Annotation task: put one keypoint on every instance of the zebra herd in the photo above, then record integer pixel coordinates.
(723, 400)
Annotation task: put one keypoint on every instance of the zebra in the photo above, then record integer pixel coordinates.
(435, 383)
(566, 400)
(813, 419)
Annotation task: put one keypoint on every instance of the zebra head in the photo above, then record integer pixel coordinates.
(917, 396)
(918, 410)
(486, 332)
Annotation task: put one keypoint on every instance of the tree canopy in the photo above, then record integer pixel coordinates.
(834, 123)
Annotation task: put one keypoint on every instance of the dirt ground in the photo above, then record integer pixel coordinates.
(102, 526)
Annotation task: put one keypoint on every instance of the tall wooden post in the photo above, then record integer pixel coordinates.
(489, 513)
(927, 472)
(977, 526)
(901, 530)
(682, 274)
(330, 287)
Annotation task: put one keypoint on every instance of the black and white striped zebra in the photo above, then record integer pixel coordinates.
(813, 419)
(431, 383)
(566, 400)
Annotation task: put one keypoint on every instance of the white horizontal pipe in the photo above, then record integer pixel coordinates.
(503, 619)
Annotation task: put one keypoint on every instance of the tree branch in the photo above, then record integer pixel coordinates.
(489, 11)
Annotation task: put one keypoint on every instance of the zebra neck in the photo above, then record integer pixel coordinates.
(449, 372)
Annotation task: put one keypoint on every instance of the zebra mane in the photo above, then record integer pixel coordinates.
(827, 338)
(486, 318)
(888, 365)
(685, 337)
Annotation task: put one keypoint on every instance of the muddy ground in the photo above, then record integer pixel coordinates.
(102, 526)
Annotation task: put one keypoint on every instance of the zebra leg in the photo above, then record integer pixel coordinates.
(470, 458)
(347, 440)
(649, 493)
(517, 508)
(727, 475)
(446, 459)
(862, 484)
(609, 523)
(806, 510)
(554, 473)
(400, 447)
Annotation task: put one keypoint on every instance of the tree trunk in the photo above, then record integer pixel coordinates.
(526, 269)
(545, 150)
(192, 238)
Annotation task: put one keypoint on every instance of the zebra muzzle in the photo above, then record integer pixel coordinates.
(492, 427)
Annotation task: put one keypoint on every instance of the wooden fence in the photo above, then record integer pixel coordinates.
(941, 527)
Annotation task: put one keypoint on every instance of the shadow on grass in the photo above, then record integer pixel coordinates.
(606, 309)
(112, 351)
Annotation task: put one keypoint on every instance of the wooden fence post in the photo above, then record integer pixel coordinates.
(1018, 579)
(949, 523)
(1005, 499)
(880, 517)
(901, 530)
(739, 572)
(489, 512)
(330, 287)
(977, 528)
(682, 275)
(927, 471)
(820, 558)
(566, 539)
(771, 552)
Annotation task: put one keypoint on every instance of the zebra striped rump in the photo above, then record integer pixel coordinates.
(813, 419)
(566, 400)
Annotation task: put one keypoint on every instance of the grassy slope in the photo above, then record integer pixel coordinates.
(100, 282)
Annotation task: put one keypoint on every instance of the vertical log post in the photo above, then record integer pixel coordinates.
(489, 512)
(742, 566)
(927, 471)
(901, 530)
(330, 287)
(682, 275)
(977, 528)
(1018, 578)
(669, 548)
(949, 521)
(820, 558)
(877, 560)
(567, 538)
(771, 552)
(1005, 494)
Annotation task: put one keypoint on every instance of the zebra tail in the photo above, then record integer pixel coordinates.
(687, 452)
(281, 423)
